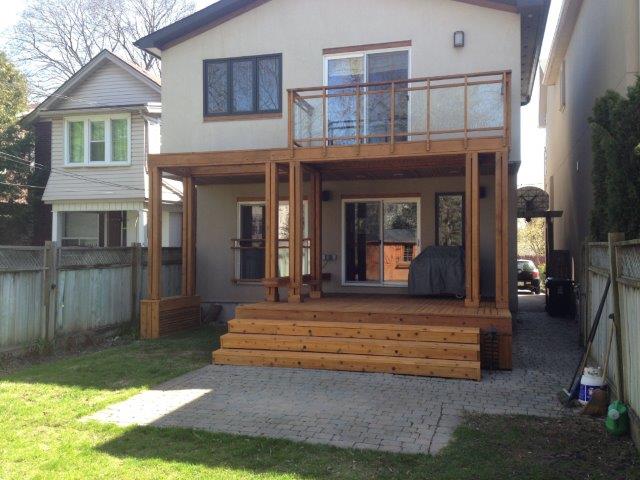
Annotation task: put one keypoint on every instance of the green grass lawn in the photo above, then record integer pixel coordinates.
(41, 435)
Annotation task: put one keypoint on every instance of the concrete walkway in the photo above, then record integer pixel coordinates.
(363, 410)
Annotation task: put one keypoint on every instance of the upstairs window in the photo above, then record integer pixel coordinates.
(241, 86)
(98, 140)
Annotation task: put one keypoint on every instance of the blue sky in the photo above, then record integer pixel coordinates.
(532, 138)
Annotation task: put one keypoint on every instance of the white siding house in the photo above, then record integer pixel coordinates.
(104, 122)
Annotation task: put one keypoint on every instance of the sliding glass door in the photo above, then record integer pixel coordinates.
(375, 100)
(380, 239)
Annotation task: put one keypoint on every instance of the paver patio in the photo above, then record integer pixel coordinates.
(363, 410)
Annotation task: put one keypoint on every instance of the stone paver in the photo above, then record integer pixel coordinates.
(363, 410)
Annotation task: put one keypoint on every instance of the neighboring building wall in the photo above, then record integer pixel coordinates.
(64, 187)
(217, 225)
(108, 85)
(602, 54)
(301, 29)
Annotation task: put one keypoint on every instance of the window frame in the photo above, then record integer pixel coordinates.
(282, 201)
(256, 112)
(87, 119)
(382, 199)
(437, 216)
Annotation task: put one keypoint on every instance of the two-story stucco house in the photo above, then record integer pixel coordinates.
(595, 48)
(326, 144)
(104, 121)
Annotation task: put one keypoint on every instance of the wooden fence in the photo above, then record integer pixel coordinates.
(619, 260)
(48, 292)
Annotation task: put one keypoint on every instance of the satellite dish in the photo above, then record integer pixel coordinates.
(532, 202)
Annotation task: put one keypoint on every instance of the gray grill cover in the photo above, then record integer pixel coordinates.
(437, 271)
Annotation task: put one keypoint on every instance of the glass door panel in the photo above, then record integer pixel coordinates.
(362, 242)
(341, 110)
(386, 67)
(400, 239)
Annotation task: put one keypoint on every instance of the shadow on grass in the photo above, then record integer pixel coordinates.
(262, 457)
(142, 363)
(484, 447)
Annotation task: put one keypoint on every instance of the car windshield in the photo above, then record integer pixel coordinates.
(526, 265)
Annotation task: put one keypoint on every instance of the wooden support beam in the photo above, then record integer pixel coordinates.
(502, 229)
(295, 232)
(188, 236)
(271, 231)
(315, 224)
(155, 234)
(472, 237)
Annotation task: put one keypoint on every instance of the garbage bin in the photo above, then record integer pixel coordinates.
(559, 297)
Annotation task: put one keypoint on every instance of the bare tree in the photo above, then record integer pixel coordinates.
(54, 39)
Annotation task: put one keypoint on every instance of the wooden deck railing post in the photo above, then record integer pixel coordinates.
(290, 122)
(315, 212)
(393, 116)
(188, 236)
(502, 229)
(271, 232)
(472, 237)
(295, 232)
(155, 233)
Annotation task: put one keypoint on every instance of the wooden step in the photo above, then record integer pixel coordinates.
(349, 362)
(501, 321)
(356, 346)
(422, 333)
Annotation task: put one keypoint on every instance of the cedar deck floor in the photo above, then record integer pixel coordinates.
(394, 306)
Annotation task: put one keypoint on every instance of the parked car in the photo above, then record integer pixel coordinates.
(528, 276)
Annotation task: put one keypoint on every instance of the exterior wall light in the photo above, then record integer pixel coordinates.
(458, 39)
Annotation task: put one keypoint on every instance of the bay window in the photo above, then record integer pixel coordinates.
(98, 140)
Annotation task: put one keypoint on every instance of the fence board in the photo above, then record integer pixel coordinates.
(93, 290)
(21, 307)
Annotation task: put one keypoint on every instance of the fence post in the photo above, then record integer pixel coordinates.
(613, 266)
(136, 268)
(50, 288)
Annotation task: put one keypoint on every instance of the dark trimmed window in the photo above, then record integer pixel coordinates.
(245, 85)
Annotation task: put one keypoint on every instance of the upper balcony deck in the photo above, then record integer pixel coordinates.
(445, 114)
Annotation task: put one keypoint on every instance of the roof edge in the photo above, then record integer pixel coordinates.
(561, 38)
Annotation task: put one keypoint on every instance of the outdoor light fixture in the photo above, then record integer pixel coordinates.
(458, 39)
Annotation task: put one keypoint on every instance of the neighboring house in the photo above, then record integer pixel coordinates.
(102, 123)
(595, 48)
(279, 117)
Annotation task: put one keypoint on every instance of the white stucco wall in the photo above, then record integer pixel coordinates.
(602, 54)
(301, 29)
(217, 224)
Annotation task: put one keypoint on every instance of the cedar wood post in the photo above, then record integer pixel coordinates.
(295, 231)
(188, 237)
(472, 231)
(150, 307)
(155, 233)
(502, 229)
(271, 231)
(315, 212)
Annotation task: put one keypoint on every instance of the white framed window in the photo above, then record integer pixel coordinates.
(380, 65)
(97, 140)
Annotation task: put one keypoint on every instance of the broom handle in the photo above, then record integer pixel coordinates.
(591, 336)
(608, 351)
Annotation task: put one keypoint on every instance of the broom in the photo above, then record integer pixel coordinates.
(568, 395)
(599, 401)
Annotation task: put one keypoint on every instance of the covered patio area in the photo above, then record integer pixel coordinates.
(313, 159)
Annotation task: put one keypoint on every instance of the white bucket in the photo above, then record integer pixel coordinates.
(591, 379)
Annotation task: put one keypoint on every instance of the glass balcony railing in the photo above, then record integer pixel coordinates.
(419, 109)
